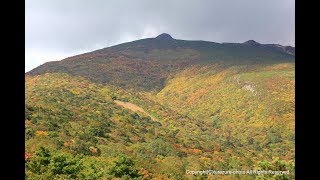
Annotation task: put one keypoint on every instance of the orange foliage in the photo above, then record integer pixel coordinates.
(146, 174)
(158, 160)
(67, 143)
(195, 151)
(160, 177)
(93, 150)
(204, 158)
(41, 133)
(27, 155)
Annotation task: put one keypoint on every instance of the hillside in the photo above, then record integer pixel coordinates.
(160, 106)
(146, 64)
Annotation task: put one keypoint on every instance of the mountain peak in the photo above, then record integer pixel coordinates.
(164, 36)
(252, 43)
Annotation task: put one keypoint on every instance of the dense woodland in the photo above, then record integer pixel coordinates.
(201, 114)
(74, 121)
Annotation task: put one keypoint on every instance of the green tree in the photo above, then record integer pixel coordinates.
(39, 162)
(58, 165)
(277, 165)
(124, 167)
(63, 164)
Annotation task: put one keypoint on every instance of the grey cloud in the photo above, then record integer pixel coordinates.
(75, 25)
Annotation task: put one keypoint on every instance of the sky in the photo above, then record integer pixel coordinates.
(56, 29)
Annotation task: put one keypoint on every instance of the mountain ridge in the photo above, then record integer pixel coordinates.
(147, 63)
(165, 36)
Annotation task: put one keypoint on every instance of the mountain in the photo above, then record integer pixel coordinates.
(286, 49)
(155, 108)
(151, 61)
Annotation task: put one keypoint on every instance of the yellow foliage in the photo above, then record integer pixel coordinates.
(75, 91)
(204, 158)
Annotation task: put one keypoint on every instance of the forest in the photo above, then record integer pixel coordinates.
(235, 118)
(158, 107)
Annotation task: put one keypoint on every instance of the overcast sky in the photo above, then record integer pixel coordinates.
(56, 29)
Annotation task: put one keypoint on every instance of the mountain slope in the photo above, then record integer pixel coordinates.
(146, 64)
(76, 119)
(160, 106)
